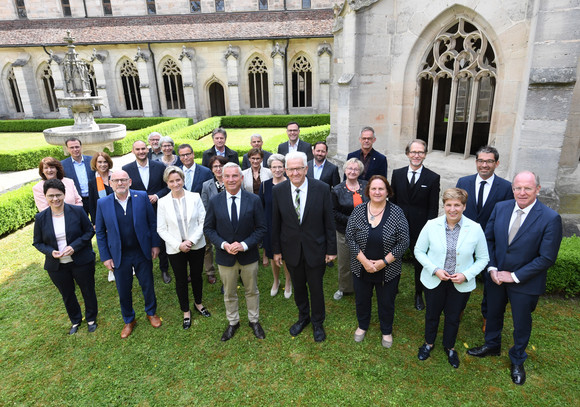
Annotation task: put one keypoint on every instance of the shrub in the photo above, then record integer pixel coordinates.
(39, 125)
(17, 208)
(564, 275)
(249, 121)
(196, 131)
(24, 159)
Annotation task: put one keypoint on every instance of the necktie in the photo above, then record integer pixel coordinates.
(516, 226)
(234, 209)
(297, 203)
(480, 195)
(412, 183)
(188, 180)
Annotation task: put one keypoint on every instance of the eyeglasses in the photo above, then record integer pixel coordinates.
(120, 180)
(55, 196)
(298, 169)
(489, 162)
(184, 155)
(352, 169)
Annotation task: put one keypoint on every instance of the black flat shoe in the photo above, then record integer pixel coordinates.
(186, 323)
(92, 327)
(166, 277)
(452, 357)
(424, 352)
(483, 351)
(299, 326)
(74, 329)
(518, 374)
(203, 312)
(419, 304)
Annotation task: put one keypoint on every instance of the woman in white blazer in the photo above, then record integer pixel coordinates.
(446, 247)
(256, 174)
(180, 217)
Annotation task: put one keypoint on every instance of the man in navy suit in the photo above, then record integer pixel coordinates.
(320, 168)
(484, 190)
(416, 191)
(294, 143)
(219, 137)
(374, 162)
(523, 239)
(147, 175)
(256, 142)
(127, 237)
(78, 168)
(235, 224)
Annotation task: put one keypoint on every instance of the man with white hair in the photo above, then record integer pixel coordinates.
(256, 142)
(155, 153)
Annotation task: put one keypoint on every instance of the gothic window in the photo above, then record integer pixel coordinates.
(48, 86)
(262, 4)
(151, 9)
(305, 3)
(130, 81)
(14, 91)
(107, 9)
(301, 83)
(219, 5)
(173, 84)
(195, 6)
(457, 86)
(66, 8)
(93, 82)
(21, 9)
(258, 81)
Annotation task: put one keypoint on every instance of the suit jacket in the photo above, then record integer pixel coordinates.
(208, 191)
(377, 166)
(168, 228)
(501, 190)
(107, 227)
(69, 170)
(533, 250)
(246, 160)
(306, 148)
(315, 237)
(231, 155)
(79, 232)
(200, 175)
(250, 230)
(156, 185)
(329, 173)
(248, 182)
(94, 197)
(419, 203)
(431, 250)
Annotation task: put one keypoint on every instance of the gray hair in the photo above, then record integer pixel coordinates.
(294, 155)
(166, 139)
(219, 130)
(361, 166)
(276, 157)
(418, 141)
(368, 128)
(255, 135)
(536, 176)
(172, 169)
(153, 133)
(231, 165)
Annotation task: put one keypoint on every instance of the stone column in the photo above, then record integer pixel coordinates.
(189, 75)
(97, 59)
(324, 55)
(147, 82)
(278, 95)
(26, 85)
(55, 63)
(232, 55)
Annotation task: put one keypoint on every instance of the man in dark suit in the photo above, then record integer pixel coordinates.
(304, 235)
(155, 153)
(416, 191)
(127, 237)
(320, 168)
(484, 190)
(523, 239)
(219, 137)
(78, 168)
(256, 142)
(294, 143)
(374, 162)
(235, 224)
(147, 175)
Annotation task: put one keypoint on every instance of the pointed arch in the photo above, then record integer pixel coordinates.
(258, 83)
(302, 88)
(129, 76)
(47, 85)
(13, 90)
(172, 84)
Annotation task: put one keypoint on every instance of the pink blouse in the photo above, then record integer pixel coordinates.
(71, 196)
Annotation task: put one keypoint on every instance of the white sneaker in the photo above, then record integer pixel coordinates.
(111, 276)
(338, 295)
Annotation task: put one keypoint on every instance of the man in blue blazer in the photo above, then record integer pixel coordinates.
(320, 168)
(78, 168)
(127, 237)
(374, 162)
(523, 238)
(147, 175)
(294, 143)
(235, 224)
(484, 190)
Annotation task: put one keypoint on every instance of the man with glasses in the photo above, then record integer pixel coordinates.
(256, 142)
(78, 168)
(374, 162)
(126, 228)
(416, 191)
(155, 152)
(294, 143)
(484, 190)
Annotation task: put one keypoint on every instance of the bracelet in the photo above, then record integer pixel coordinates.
(386, 262)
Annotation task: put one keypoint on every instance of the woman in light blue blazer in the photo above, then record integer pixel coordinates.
(446, 247)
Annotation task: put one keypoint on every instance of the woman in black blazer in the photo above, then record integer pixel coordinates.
(63, 233)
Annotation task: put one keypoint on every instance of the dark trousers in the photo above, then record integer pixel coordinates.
(485, 276)
(386, 293)
(444, 298)
(86, 206)
(418, 267)
(179, 262)
(305, 279)
(84, 275)
(522, 307)
(163, 258)
(124, 280)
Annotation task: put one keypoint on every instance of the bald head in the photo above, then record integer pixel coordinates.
(526, 187)
(120, 182)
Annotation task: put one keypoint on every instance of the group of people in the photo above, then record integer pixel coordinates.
(294, 205)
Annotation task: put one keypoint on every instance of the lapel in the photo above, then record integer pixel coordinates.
(465, 227)
(290, 202)
(223, 208)
(109, 212)
(189, 207)
(491, 196)
(530, 219)
(310, 198)
(50, 227)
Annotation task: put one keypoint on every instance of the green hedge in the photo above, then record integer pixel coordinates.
(39, 125)
(24, 159)
(564, 276)
(17, 208)
(250, 121)
(196, 131)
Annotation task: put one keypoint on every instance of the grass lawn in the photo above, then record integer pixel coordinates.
(41, 365)
(17, 141)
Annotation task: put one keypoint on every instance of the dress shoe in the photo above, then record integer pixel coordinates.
(288, 293)
(518, 374)
(258, 331)
(186, 323)
(274, 290)
(425, 351)
(419, 304)
(127, 329)
(318, 333)
(230, 331)
(92, 327)
(484, 324)
(385, 343)
(203, 312)
(74, 329)
(155, 320)
(211, 279)
(483, 351)
(166, 277)
(452, 357)
(299, 326)
(338, 295)
(359, 338)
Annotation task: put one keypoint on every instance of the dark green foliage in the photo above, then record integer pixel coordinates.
(564, 276)
(17, 208)
(274, 120)
(196, 131)
(24, 159)
(39, 125)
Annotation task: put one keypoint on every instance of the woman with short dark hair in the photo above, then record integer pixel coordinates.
(51, 168)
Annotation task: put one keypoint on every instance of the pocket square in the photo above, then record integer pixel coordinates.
(423, 186)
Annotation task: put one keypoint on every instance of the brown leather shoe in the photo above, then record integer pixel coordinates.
(155, 320)
(127, 329)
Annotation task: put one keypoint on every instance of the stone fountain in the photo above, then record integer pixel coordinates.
(94, 137)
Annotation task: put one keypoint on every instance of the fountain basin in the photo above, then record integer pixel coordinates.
(93, 140)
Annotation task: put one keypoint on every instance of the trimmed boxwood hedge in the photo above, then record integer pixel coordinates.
(39, 125)
(24, 159)
(250, 121)
(17, 208)
(564, 276)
